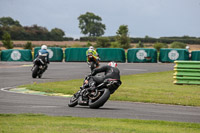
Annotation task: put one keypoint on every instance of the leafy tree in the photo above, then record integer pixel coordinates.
(17, 33)
(1, 32)
(103, 42)
(88, 44)
(8, 21)
(36, 32)
(178, 45)
(57, 34)
(115, 45)
(122, 37)
(140, 45)
(90, 24)
(159, 45)
(28, 45)
(123, 30)
(7, 43)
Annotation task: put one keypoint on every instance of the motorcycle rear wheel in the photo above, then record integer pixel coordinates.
(101, 100)
(35, 71)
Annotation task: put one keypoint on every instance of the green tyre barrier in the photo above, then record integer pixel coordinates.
(187, 64)
(189, 82)
(195, 55)
(16, 55)
(187, 72)
(75, 54)
(111, 54)
(142, 55)
(55, 53)
(168, 55)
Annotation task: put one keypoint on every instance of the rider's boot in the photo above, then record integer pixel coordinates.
(81, 101)
(81, 87)
(45, 67)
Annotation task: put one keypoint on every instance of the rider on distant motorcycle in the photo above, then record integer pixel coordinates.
(111, 72)
(44, 55)
(92, 51)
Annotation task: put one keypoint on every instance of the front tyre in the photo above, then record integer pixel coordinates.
(100, 101)
(92, 66)
(35, 71)
(40, 76)
(73, 101)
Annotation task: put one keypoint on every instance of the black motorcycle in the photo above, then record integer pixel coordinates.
(39, 66)
(92, 61)
(97, 98)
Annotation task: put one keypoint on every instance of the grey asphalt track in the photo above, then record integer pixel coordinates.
(18, 73)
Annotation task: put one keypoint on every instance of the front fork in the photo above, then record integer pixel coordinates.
(83, 99)
(32, 67)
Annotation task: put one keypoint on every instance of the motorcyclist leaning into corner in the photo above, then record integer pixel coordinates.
(110, 72)
(44, 55)
(92, 51)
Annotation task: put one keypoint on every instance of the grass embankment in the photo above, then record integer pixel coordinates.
(155, 87)
(30, 123)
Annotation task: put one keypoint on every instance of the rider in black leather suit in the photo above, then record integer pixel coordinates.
(110, 72)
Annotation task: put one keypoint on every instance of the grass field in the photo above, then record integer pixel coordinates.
(34, 123)
(155, 87)
(149, 87)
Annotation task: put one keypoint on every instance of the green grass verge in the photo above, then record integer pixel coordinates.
(155, 87)
(34, 123)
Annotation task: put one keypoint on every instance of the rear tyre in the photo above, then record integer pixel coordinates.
(35, 71)
(100, 101)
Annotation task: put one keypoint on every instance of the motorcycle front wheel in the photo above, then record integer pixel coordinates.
(92, 66)
(74, 100)
(35, 71)
(100, 100)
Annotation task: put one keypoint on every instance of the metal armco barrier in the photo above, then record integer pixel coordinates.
(187, 72)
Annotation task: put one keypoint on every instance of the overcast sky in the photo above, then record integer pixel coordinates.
(154, 18)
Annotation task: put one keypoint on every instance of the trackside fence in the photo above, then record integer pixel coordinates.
(133, 55)
(187, 72)
(195, 55)
(111, 54)
(75, 54)
(16, 55)
(168, 55)
(55, 53)
(142, 55)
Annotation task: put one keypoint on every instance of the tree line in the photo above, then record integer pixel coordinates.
(90, 25)
(168, 40)
(34, 32)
